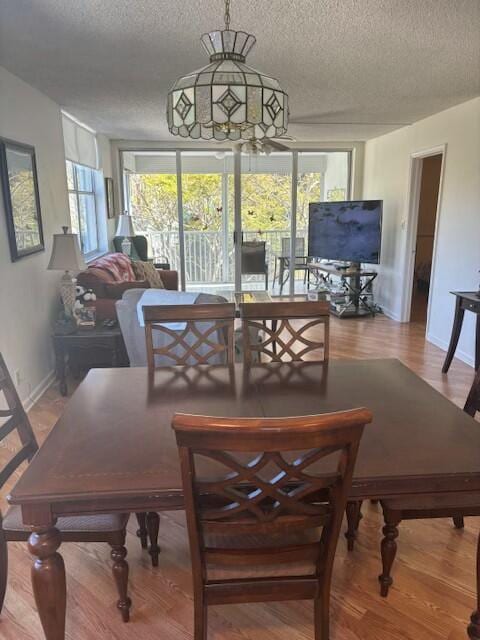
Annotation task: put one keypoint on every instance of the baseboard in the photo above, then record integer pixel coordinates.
(389, 313)
(461, 355)
(39, 390)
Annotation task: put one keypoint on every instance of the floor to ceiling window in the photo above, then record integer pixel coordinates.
(183, 201)
(266, 210)
(150, 187)
(208, 229)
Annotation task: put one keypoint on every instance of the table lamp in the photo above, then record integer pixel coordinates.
(125, 229)
(66, 256)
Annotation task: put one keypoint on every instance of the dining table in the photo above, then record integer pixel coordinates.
(113, 449)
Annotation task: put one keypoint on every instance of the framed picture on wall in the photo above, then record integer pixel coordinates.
(109, 198)
(19, 185)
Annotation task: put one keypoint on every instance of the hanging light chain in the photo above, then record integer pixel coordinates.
(227, 15)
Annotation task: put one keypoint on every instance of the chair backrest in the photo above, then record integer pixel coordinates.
(299, 247)
(472, 405)
(285, 331)
(253, 255)
(141, 245)
(194, 333)
(117, 243)
(264, 479)
(13, 419)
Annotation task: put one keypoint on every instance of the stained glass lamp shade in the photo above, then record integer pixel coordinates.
(227, 100)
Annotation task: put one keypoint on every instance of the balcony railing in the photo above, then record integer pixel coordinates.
(209, 255)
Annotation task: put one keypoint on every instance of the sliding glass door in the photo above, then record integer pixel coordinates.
(266, 191)
(150, 188)
(208, 230)
(184, 202)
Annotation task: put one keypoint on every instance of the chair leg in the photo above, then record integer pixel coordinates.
(389, 550)
(354, 515)
(3, 566)
(321, 616)
(120, 574)
(142, 531)
(153, 526)
(458, 522)
(200, 616)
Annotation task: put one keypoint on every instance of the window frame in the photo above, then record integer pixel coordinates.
(77, 192)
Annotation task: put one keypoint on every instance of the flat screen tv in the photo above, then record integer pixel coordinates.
(346, 231)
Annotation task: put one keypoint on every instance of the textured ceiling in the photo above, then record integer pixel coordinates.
(358, 67)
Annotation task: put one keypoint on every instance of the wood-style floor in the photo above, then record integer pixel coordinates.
(433, 593)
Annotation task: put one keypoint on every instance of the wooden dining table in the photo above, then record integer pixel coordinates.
(113, 449)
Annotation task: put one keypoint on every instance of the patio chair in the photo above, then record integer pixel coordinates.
(254, 259)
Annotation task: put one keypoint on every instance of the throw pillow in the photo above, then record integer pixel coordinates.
(146, 271)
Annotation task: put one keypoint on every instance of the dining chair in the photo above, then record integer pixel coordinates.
(423, 507)
(110, 529)
(190, 334)
(297, 331)
(264, 499)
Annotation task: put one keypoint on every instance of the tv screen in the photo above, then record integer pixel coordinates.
(347, 231)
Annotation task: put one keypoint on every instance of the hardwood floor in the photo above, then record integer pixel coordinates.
(433, 593)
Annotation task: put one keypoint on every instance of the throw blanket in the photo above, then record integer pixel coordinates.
(154, 297)
(118, 265)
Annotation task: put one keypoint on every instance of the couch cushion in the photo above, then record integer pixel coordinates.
(146, 271)
(115, 290)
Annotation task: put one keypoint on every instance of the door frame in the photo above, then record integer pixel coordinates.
(414, 185)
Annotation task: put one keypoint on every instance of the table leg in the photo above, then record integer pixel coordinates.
(456, 329)
(473, 629)
(48, 581)
(389, 550)
(477, 343)
(281, 275)
(354, 515)
(153, 525)
(60, 369)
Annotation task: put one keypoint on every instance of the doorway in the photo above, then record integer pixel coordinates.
(428, 189)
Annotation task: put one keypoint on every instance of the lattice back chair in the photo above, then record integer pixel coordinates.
(284, 331)
(189, 334)
(102, 528)
(264, 499)
(472, 405)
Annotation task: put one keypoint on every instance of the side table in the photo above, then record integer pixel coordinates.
(88, 348)
(465, 301)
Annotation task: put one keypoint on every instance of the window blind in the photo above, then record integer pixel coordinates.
(80, 143)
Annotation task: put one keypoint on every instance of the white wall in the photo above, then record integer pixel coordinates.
(29, 294)
(105, 162)
(386, 176)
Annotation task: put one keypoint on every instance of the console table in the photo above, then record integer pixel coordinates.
(356, 299)
(465, 301)
(87, 348)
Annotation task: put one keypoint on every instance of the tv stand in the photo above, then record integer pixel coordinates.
(355, 297)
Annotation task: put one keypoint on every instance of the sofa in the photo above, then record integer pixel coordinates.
(110, 276)
(134, 335)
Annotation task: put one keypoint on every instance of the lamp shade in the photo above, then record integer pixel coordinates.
(125, 226)
(66, 255)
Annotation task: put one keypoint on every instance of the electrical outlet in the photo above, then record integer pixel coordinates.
(18, 377)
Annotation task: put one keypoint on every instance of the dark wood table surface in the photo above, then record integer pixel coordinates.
(113, 449)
